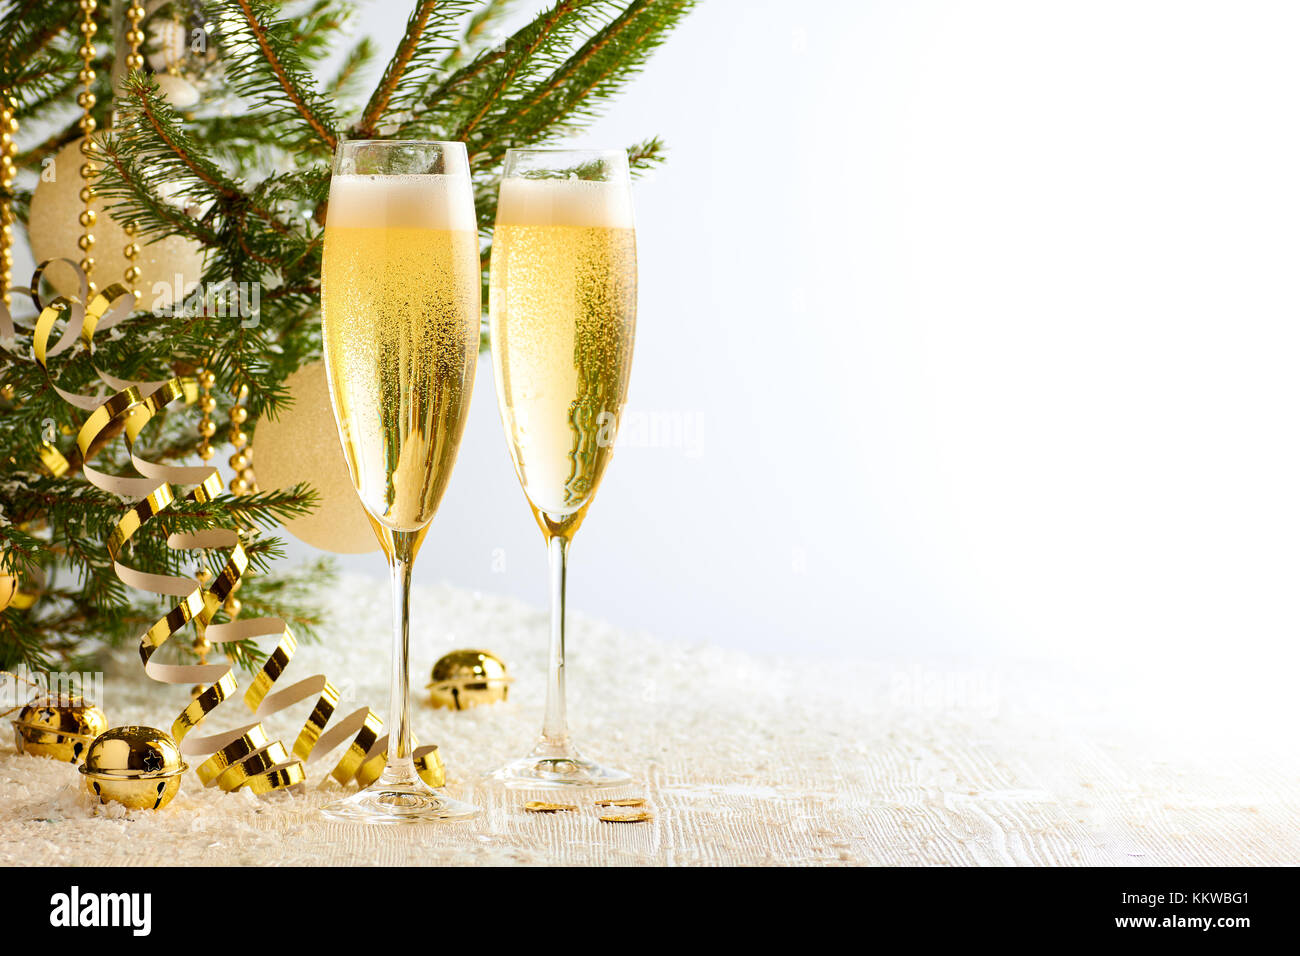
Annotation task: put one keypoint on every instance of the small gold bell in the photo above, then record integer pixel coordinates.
(60, 727)
(138, 767)
(464, 679)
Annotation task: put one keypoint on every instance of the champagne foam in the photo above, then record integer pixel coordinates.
(426, 201)
(564, 202)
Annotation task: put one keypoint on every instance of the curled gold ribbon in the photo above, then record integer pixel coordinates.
(244, 756)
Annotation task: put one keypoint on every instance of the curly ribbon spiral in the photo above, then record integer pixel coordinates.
(244, 756)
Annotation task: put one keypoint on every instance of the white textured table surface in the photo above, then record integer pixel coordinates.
(742, 760)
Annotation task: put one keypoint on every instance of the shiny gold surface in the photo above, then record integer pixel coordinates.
(138, 767)
(541, 806)
(467, 678)
(639, 816)
(59, 728)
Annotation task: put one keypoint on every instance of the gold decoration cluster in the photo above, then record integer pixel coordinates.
(244, 756)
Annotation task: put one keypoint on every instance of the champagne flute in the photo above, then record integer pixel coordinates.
(400, 295)
(563, 314)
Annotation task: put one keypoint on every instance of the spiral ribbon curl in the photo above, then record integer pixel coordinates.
(245, 756)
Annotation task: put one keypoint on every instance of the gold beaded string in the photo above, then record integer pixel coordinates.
(86, 100)
(241, 461)
(8, 171)
(244, 482)
(207, 405)
(134, 61)
(207, 428)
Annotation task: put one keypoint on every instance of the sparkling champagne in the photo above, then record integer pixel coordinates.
(400, 319)
(563, 314)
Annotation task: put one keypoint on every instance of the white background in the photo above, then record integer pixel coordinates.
(987, 315)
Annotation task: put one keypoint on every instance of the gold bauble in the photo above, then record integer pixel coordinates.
(464, 679)
(138, 767)
(11, 587)
(54, 230)
(58, 727)
(302, 444)
(8, 588)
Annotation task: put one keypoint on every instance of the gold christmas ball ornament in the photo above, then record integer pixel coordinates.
(464, 679)
(55, 230)
(8, 588)
(138, 767)
(61, 728)
(302, 445)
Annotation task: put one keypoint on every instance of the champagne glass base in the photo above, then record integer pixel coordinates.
(400, 802)
(557, 768)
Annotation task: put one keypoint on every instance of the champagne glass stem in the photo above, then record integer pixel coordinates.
(555, 728)
(400, 765)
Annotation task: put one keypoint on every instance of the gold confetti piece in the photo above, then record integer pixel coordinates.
(641, 816)
(622, 802)
(541, 806)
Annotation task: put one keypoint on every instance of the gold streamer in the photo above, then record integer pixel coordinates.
(244, 756)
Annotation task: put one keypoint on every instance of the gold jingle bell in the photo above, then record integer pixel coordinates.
(138, 767)
(464, 679)
(60, 727)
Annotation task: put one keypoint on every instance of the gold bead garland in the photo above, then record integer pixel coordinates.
(134, 36)
(241, 460)
(8, 150)
(207, 405)
(86, 100)
(239, 485)
(134, 61)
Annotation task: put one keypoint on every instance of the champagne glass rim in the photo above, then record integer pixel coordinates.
(401, 142)
(567, 149)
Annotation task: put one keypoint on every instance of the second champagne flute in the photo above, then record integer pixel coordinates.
(563, 314)
(400, 295)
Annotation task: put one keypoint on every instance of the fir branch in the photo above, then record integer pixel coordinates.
(357, 59)
(314, 31)
(645, 155)
(428, 34)
(41, 80)
(263, 509)
(520, 49)
(594, 73)
(146, 111)
(476, 34)
(263, 66)
(121, 178)
(425, 118)
(27, 28)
